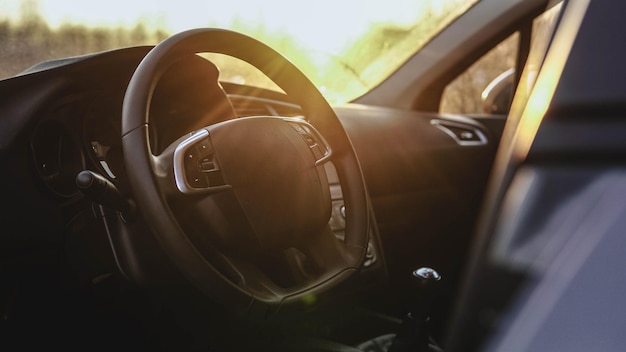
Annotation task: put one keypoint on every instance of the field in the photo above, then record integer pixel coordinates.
(341, 75)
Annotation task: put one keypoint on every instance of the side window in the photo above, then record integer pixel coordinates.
(486, 86)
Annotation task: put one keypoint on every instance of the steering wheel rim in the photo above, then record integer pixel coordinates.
(152, 179)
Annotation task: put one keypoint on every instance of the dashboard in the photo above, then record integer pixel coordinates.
(425, 172)
(82, 130)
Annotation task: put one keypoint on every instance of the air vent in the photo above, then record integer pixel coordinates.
(463, 134)
(254, 106)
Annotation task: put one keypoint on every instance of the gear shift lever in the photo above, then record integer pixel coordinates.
(424, 282)
(414, 334)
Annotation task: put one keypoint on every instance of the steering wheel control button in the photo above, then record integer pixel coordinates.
(196, 167)
(195, 178)
(197, 181)
(215, 178)
(206, 164)
(204, 147)
(317, 152)
(318, 146)
(309, 140)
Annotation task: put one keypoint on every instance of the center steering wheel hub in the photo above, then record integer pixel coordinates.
(272, 166)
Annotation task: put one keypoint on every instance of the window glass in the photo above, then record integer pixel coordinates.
(486, 87)
(344, 47)
(490, 75)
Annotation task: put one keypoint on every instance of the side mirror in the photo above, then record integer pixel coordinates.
(498, 95)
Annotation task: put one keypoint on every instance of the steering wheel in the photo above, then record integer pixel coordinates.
(236, 202)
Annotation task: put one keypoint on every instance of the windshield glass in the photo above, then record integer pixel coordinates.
(345, 47)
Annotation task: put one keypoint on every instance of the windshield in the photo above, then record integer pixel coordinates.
(345, 47)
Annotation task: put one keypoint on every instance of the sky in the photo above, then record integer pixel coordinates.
(321, 23)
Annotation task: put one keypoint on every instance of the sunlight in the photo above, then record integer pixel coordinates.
(324, 25)
(344, 47)
(548, 79)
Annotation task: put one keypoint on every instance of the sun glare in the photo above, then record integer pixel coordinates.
(323, 25)
(344, 46)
